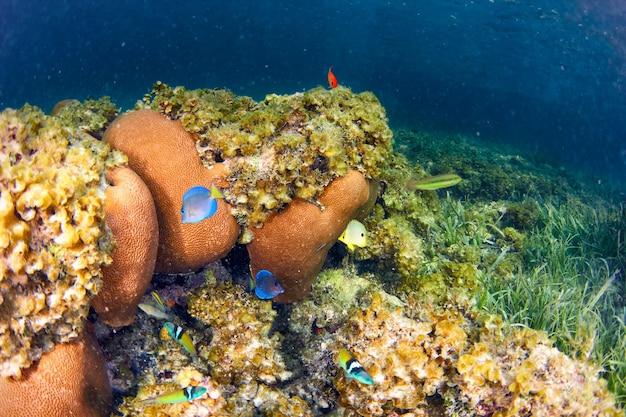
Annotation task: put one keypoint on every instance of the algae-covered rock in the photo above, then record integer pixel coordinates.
(91, 116)
(242, 349)
(475, 363)
(53, 240)
(283, 147)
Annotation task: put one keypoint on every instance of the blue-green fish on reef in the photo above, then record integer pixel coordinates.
(199, 203)
(433, 183)
(180, 396)
(180, 335)
(353, 369)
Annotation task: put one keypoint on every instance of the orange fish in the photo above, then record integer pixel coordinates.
(332, 80)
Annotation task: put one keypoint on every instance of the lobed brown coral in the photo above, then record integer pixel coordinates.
(53, 240)
(293, 244)
(69, 380)
(162, 153)
(131, 216)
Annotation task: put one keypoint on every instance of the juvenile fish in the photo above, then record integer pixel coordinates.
(199, 203)
(332, 80)
(153, 311)
(175, 397)
(266, 285)
(353, 369)
(180, 335)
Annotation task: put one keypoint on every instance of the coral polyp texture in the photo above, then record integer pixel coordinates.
(283, 147)
(421, 356)
(53, 240)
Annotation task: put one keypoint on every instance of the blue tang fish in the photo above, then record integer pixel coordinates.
(266, 285)
(199, 203)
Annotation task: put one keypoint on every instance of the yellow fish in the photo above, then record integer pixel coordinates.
(355, 235)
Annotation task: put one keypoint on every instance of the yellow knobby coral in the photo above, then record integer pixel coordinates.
(241, 349)
(53, 240)
(477, 365)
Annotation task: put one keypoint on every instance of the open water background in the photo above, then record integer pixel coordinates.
(548, 76)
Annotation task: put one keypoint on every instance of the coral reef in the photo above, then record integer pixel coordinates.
(283, 147)
(478, 366)
(211, 404)
(335, 293)
(90, 116)
(131, 216)
(69, 380)
(242, 349)
(293, 243)
(522, 374)
(53, 240)
(162, 153)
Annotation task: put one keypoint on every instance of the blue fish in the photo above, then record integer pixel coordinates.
(266, 285)
(199, 203)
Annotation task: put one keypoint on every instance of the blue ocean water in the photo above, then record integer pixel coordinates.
(546, 75)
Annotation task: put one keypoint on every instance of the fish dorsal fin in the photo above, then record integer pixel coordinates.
(158, 300)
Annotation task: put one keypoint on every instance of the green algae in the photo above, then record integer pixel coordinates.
(92, 116)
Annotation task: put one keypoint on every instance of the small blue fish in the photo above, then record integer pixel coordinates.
(266, 285)
(199, 203)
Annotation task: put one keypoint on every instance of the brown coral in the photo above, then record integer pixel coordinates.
(293, 244)
(131, 216)
(163, 154)
(70, 380)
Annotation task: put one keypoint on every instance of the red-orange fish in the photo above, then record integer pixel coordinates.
(332, 80)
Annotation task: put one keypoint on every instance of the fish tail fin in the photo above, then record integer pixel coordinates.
(216, 193)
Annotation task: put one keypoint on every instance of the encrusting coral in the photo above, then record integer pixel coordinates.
(53, 240)
(162, 153)
(69, 380)
(131, 216)
(475, 364)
